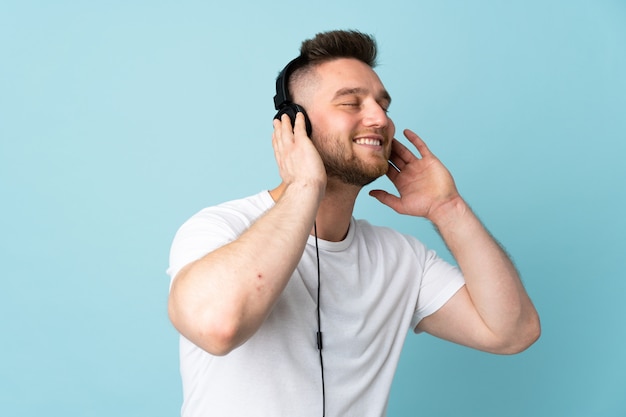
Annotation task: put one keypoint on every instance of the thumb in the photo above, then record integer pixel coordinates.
(387, 199)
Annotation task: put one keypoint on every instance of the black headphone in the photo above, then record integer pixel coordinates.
(282, 99)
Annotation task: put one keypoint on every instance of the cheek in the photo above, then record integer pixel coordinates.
(392, 128)
(331, 126)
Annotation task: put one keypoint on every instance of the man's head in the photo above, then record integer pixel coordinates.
(323, 47)
(333, 79)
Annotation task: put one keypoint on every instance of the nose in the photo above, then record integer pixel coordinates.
(375, 115)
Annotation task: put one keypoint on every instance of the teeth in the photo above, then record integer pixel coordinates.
(367, 141)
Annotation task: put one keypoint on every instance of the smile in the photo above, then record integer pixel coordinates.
(368, 141)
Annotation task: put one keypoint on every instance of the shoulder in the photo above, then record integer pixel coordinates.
(234, 214)
(215, 226)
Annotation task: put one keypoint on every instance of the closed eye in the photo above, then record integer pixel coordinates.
(351, 105)
(384, 104)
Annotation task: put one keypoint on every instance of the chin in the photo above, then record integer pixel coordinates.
(358, 178)
(359, 172)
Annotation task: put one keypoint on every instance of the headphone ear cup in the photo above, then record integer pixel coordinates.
(291, 110)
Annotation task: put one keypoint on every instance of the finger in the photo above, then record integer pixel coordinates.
(300, 126)
(396, 163)
(282, 135)
(418, 142)
(286, 130)
(393, 171)
(400, 154)
(276, 133)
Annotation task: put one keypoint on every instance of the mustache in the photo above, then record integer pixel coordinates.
(385, 132)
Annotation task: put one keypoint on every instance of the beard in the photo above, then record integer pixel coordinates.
(343, 164)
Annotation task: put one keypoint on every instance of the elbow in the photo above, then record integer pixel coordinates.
(530, 333)
(217, 339)
(211, 333)
(523, 338)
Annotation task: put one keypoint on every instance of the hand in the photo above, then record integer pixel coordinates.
(296, 156)
(424, 184)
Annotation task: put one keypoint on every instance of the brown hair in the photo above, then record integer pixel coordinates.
(335, 44)
(328, 46)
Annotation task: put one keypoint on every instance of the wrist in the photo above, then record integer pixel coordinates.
(309, 188)
(449, 212)
(299, 191)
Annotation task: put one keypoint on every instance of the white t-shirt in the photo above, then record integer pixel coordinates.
(376, 284)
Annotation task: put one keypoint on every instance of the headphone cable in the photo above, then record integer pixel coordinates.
(319, 322)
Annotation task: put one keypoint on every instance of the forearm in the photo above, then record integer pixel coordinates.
(492, 280)
(219, 301)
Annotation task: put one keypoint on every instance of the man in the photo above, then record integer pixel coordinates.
(288, 306)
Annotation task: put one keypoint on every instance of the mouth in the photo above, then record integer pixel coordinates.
(368, 141)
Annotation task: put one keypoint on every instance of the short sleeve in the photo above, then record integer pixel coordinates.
(214, 227)
(440, 282)
(201, 234)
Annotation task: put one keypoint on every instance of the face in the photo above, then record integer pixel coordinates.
(347, 105)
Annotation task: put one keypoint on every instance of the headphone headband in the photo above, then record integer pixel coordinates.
(282, 97)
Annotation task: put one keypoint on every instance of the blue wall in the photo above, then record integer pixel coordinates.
(118, 121)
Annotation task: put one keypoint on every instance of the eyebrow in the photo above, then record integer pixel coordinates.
(384, 96)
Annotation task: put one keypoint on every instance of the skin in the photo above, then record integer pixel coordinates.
(219, 301)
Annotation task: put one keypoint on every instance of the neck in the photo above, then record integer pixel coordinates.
(334, 212)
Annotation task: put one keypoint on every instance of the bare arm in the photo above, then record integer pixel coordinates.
(220, 300)
(493, 311)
